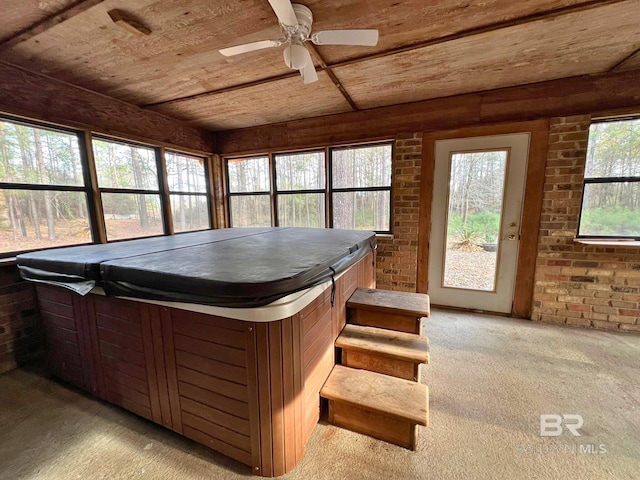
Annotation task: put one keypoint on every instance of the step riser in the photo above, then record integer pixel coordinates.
(375, 425)
(390, 321)
(380, 364)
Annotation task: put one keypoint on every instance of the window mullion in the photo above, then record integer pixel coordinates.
(163, 186)
(274, 191)
(94, 197)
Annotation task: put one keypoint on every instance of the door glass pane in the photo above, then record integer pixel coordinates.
(250, 211)
(476, 188)
(301, 210)
(128, 215)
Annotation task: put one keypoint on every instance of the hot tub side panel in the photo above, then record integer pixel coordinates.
(248, 390)
(293, 358)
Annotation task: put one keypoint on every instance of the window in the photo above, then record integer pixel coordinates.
(298, 189)
(361, 187)
(128, 181)
(43, 196)
(187, 184)
(611, 195)
(249, 186)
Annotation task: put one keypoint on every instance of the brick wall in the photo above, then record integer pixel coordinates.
(576, 284)
(21, 334)
(397, 256)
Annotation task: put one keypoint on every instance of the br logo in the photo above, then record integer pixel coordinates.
(551, 425)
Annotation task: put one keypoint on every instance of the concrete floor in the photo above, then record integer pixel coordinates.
(490, 378)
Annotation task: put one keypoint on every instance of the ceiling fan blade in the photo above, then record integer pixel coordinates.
(309, 74)
(284, 12)
(346, 37)
(249, 47)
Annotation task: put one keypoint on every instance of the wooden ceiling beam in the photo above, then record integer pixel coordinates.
(231, 88)
(332, 76)
(46, 23)
(631, 60)
(581, 95)
(544, 15)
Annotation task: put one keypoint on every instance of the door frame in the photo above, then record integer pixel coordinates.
(533, 191)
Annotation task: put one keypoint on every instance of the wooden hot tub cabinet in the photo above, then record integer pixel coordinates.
(249, 390)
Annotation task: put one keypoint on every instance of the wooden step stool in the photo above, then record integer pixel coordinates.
(398, 354)
(377, 405)
(400, 311)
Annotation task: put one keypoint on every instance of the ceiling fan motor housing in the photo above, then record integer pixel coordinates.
(305, 21)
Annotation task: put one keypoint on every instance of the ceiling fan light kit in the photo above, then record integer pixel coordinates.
(296, 23)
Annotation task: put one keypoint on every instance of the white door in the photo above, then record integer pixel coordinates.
(475, 221)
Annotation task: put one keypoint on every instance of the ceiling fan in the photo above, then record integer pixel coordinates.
(295, 23)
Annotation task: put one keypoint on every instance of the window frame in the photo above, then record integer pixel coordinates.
(277, 193)
(162, 192)
(92, 191)
(604, 180)
(206, 193)
(333, 190)
(328, 191)
(229, 194)
(86, 188)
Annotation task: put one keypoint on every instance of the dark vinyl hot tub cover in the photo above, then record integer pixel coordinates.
(236, 267)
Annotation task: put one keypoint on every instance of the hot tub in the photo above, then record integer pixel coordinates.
(225, 336)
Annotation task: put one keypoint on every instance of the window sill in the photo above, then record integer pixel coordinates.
(614, 242)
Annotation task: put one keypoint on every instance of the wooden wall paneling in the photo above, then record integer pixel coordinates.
(584, 94)
(150, 362)
(41, 97)
(170, 369)
(531, 210)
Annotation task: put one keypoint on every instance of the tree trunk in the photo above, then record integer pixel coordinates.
(48, 207)
(137, 175)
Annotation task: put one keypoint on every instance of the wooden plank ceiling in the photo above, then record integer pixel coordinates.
(427, 49)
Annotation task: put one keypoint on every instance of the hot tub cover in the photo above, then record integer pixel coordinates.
(227, 267)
